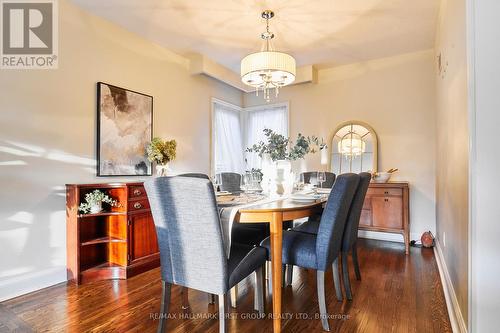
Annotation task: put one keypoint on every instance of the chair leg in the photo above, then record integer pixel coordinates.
(336, 279)
(345, 275)
(320, 281)
(259, 290)
(234, 296)
(355, 261)
(165, 301)
(185, 299)
(283, 275)
(270, 278)
(222, 314)
(289, 274)
(211, 298)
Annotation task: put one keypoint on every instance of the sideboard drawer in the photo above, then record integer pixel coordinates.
(136, 191)
(136, 205)
(385, 191)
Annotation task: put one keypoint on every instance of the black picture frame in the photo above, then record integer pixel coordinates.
(148, 164)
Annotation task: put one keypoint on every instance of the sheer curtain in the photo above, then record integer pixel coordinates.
(274, 117)
(227, 136)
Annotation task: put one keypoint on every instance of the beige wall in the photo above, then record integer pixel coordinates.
(453, 147)
(47, 126)
(396, 96)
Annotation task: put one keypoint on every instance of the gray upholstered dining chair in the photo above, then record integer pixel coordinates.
(349, 238)
(230, 181)
(319, 251)
(194, 175)
(311, 177)
(185, 214)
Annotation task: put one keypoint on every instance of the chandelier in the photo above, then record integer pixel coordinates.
(351, 145)
(267, 69)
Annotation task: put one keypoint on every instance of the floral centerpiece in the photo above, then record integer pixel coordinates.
(93, 202)
(162, 152)
(279, 147)
(277, 152)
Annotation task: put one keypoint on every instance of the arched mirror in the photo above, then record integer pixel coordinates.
(354, 148)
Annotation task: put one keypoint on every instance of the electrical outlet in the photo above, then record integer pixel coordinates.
(444, 239)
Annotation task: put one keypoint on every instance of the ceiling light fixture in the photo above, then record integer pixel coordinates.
(267, 69)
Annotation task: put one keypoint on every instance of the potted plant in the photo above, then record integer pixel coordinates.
(162, 152)
(93, 202)
(276, 153)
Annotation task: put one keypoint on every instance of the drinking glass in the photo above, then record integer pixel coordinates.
(321, 178)
(216, 180)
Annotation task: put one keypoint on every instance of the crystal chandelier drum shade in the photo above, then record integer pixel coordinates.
(268, 69)
(352, 145)
(274, 67)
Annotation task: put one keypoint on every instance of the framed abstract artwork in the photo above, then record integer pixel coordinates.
(124, 128)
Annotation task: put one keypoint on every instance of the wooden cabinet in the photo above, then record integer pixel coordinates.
(117, 243)
(386, 209)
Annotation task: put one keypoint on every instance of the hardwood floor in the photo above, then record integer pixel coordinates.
(398, 293)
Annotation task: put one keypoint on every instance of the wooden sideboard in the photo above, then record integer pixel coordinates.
(387, 209)
(115, 244)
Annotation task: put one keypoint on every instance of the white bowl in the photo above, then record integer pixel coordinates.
(382, 177)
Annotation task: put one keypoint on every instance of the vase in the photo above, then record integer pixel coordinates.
(284, 177)
(163, 170)
(268, 173)
(96, 207)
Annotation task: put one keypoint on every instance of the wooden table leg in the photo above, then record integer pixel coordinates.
(276, 230)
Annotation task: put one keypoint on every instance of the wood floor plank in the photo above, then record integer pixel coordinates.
(397, 293)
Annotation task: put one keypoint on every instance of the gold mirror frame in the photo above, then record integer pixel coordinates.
(369, 129)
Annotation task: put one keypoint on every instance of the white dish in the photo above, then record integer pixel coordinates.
(221, 193)
(324, 190)
(305, 198)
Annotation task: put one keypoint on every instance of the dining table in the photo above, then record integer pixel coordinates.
(274, 211)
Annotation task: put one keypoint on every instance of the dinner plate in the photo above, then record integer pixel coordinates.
(305, 198)
(221, 193)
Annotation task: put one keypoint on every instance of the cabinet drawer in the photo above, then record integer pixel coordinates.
(387, 212)
(392, 191)
(136, 191)
(140, 204)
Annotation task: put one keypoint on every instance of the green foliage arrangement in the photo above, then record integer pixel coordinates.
(161, 151)
(280, 147)
(96, 197)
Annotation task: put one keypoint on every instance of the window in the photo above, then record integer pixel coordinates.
(258, 118)
(234, 129)
(227, 138)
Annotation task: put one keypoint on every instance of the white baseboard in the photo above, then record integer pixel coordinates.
(456, 318)
(385, 236)
(29, 282)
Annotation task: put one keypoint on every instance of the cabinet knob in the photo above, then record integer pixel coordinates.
(137, 192)
(386, 192)
(386, 200)
(137, 205)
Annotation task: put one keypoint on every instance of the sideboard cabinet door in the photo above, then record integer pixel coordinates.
(142, 236)
(387, 212)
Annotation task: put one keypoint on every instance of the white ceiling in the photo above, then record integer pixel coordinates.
(319, 32)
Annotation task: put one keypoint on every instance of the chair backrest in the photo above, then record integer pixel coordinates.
(352, 224)
(311, 177)
(230, 182)
(333, 219)
(189, 234)
(194, 175)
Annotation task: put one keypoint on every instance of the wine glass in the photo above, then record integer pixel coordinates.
(321, 178)
(216, 180)
(244, 182)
